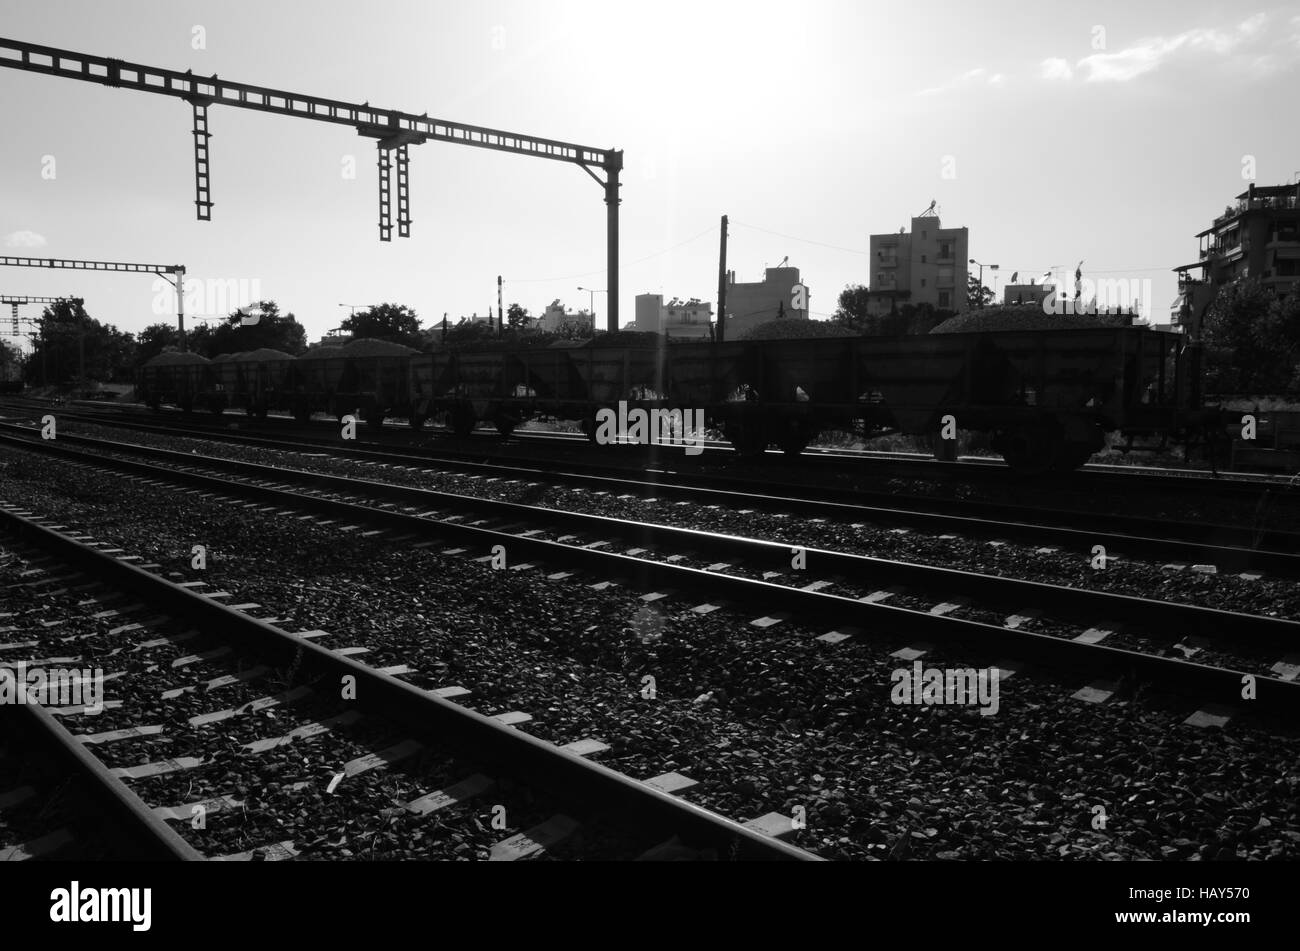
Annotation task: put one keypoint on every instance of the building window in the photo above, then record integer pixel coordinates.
(945, 299)
(923, 259)
(924, 235)
(923, 282)
(945, 250)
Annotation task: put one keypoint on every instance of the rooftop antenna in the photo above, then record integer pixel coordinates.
(929, 212)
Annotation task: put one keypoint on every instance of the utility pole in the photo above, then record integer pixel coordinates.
(501, 317)
(722, 284)
(180, 308)
(613, 164)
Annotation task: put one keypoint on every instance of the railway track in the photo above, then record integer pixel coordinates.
(827, 463)
(1244, 548)
(244, 733)
(854, 593)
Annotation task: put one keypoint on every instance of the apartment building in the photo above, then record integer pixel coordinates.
(781, 293)
(678, 318)
(1257, 237)
(927, 265)
(556, 316)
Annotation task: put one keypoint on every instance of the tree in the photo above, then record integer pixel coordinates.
(977, 295)
(71, 346)
(469, 331)
(11, 361)
(155, 339)
(271, 331)
(395, 323)
(1251, 341)
(574, 330)
(516, 317)
(853, 314)
(852, 310)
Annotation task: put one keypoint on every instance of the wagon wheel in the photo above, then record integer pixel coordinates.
(375, 418)
(417, 421)
(748, 438)
(505, 426)
(302, 414)
(463, 421)
(794, 438)
(1030, 452)
(1071, 456)
(589, 428)
(791, 438)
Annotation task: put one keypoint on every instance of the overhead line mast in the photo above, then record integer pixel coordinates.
(391, 128)
(162, 270)
(16, 302)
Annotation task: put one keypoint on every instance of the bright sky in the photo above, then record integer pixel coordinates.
(1110, 132)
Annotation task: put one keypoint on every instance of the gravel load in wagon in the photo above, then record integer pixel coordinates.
(1026, 318)
(497, 344)
(263, 355)
(176, 358)
(794, 329)
(376, 348)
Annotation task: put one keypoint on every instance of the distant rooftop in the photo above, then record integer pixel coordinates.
(1269, 191)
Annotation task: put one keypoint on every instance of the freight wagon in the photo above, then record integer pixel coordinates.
(371, 378)
(1047, 398)
(180, 379)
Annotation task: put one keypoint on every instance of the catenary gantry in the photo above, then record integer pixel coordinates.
(394, 131)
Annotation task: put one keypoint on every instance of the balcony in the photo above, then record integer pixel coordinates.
(1222, 251)
(1274, 203)
(887, 260)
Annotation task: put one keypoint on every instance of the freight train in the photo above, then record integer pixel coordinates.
(1046, 399)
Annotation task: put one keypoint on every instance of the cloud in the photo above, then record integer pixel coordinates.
(1244, 45)
(1056, 69)
(978, 75)
(25, 239)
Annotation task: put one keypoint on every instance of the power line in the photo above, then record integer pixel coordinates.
(791, 237)
(1034, 272)
(621, 267)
